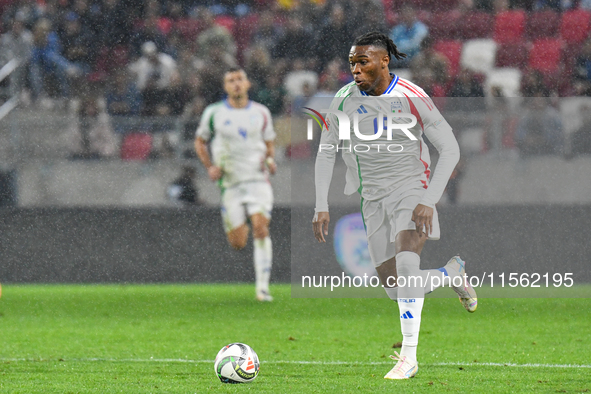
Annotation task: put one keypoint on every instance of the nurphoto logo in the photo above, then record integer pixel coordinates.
(389, 123)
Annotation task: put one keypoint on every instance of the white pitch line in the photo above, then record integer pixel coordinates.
(299, 362)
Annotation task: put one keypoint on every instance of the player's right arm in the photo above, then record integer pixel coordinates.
(214, 172)
(323, 170)
(204, 134)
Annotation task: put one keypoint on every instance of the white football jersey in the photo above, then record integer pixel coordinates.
(385, 166)
(238, 138)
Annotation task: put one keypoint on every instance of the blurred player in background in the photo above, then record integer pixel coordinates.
(397, 199)
(241, 136)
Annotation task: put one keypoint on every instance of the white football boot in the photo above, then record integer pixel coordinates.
(466, 293)
(403, 368)
(264, 296)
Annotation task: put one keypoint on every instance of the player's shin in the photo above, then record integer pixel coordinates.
(263, 259)
(410, 301)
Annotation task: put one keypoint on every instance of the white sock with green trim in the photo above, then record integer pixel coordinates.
(263, 260)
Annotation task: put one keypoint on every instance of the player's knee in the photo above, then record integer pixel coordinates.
(238, 237)
(237, 243)
(260, 231)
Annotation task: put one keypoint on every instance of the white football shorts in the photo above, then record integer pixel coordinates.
(246, 198)
(386, 217)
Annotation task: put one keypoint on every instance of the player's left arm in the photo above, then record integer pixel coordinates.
(440, 133)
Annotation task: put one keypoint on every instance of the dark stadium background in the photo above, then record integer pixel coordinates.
(78, 210)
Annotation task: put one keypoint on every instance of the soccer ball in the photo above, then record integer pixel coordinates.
(236, 363)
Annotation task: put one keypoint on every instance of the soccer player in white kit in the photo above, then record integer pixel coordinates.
(241, 135)
(398, 195)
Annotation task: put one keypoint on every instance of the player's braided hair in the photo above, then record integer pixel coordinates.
(380, 40)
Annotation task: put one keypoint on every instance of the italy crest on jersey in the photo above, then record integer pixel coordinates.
(396, 106)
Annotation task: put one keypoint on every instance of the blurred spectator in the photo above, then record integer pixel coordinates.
(148, 32)
(334, 39)
(115, 24)
(467, 84)
(182, 190)
(540, 129)
(90, 135)
(373, 18)
(17, 44)
(408, 34)
(258, 66)
(153, 69)
(47, 60)
(335, 76)
(266, 33)
(500, 6)
(187, 64)
(88, 16)
(123, 100)
(215, 38)
(78, 43)
(298, 77)
(295, 41)
(272, 95)
(430, 60)
(154, 72)
(28, 12)
(533, 84)
(581, 138)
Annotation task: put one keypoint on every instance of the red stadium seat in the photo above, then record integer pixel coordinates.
(509, 26)
(444, 25)
(452, 50)
(543, 24)
(545, 55)
(512, 55)
(476, 25)
(136, 146)
(574, 27)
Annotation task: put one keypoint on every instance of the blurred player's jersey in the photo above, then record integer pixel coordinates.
(238, 138)
(406, 166)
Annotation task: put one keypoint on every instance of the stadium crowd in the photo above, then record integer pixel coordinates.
(167, 58)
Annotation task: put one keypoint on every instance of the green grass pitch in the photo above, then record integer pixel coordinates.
(163, 338)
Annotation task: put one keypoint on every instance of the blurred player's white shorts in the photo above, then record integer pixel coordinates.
(386, 217)
(246, 198)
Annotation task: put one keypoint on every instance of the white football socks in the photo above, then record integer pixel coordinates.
(263, 260)
(411, 298)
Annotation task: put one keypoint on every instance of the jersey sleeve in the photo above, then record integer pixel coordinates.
(325, 158)
(205, 130)
(440, 133)
(268, 130)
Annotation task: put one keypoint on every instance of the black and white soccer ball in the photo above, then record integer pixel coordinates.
(236, 363)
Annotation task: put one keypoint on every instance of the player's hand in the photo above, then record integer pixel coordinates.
(320, 225)
(423, 218)
(214, 173)
(271, 165)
